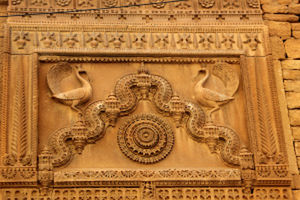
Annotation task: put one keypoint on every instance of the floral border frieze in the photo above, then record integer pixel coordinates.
(134, 175)
(150, 190)
(103, 59)
(190, 18)
(14, 174)
(106, 42)
(156, 5)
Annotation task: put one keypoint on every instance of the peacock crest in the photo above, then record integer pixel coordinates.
(57, 77)
(213, 99)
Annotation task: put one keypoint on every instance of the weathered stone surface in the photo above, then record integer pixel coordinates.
(284, 2)
(290, 64)
(277, 47)
(297, 148)
(291, 74)
(296, 132)
(296, 193)
(296, 181)
(292, 48)
(292, 99)
(285, 119)
(296, 34)
(280, 29)
(295, 117)
(296, 26)
(294, 8)
(265, 2)
(281, 17)
(290, 85)
(275, 8)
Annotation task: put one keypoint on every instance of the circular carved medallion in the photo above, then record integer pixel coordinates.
(146, 138)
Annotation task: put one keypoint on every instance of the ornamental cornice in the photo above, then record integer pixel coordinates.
(155, 175)
(70, 59)
(213, 19)
(140, 41)
(151, 6)
(143, 28)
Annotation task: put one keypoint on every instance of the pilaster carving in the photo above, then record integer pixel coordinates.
(18, 148)
(271, 161)
(45, 173)
(148, 191)
(247, 169)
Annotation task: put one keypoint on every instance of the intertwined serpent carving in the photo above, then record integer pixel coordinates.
(128, 91)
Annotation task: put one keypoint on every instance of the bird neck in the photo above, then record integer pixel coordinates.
(84, 82)
(204, 79)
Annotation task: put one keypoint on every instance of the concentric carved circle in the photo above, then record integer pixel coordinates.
(146, 138)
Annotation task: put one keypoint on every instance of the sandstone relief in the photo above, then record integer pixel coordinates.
(211, 98)
(145, 138)
(171, 100)
(72, 97)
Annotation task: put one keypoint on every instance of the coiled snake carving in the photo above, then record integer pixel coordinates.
(94, 119)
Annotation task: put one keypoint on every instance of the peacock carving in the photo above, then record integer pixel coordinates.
(213, 99)
(71, 97)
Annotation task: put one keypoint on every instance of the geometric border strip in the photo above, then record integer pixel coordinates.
(159, 174)
(229, 41)
(161, 193)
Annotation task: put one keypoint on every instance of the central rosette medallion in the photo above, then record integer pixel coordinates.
(146, 138)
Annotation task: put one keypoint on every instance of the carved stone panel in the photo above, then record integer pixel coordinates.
(160, 115)
(168, 101)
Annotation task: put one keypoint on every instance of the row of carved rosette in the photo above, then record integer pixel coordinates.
(115, 41)
(156, 4)
(148, 191)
